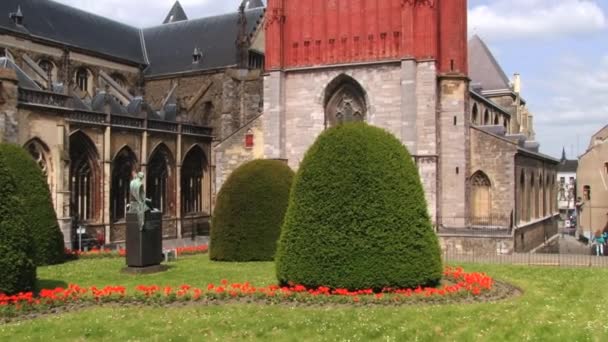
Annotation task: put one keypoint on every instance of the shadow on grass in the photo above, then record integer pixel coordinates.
(50, 284)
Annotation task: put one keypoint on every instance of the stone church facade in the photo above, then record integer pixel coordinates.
(190, 100)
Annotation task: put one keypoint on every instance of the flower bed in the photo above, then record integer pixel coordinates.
(458, 286)
(110, 253)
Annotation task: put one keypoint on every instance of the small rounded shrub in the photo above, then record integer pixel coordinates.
(249, 212)
(357, 216)
(32, 187)
(17, 270)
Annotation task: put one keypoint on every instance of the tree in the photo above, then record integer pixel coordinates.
(357, 216)
(249, 212)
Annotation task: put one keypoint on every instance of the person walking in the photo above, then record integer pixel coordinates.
(598, 240)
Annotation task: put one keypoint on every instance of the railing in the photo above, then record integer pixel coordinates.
(40, 97)
(162, 126)
(87, 117)
(126, 121)
(196, 130)
(43, 98)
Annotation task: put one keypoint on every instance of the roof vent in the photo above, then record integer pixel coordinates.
(17, 17)
(197, 55)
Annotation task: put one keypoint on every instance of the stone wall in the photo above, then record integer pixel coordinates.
(223, 99)
(475, 245)
(401, 97)
(495, 157)
(534, 234)
(232, 152)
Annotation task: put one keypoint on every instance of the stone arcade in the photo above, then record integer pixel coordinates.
(190, 100)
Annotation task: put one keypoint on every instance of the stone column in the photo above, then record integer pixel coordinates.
(454, 151)
(274, 115)
(408, 105)
(107, 181)
(61, 167)
(178, 184)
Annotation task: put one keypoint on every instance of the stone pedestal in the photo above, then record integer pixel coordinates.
(144, 246)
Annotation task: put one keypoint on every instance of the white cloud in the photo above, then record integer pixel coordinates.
(144, 13)
(577, 107)
(516, 19)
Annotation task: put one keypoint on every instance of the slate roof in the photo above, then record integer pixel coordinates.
(70, 26)
(569, 166)
(483, 67)
(176, 14)
(170, 46)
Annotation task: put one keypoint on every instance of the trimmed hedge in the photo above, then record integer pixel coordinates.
(357, 216)
(33, 188)
(249, 212)
(17, 270)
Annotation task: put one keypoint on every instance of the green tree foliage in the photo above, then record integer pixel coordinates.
(17, 270)
(249, 212)
(41, 219)
(357, 216)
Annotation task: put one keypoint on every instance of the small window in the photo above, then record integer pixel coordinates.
(562, 180)
(606, 167)
(4, 52)
(587, 193)
(82, 79)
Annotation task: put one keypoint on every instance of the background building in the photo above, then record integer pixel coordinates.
(566, 191)
(190, 100)
(592, 190)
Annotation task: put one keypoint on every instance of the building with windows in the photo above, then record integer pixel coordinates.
(566, 190)
(407, 66)
(592, 189)
(94, 101)
(190, 100)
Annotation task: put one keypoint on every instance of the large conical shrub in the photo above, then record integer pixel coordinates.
(249, 212)
(41, 219)
(357, 216)
(17, 270)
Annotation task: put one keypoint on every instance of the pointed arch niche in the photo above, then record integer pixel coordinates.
(345, 101)
(84, 178)
(160, 180)
(193, 182)
(123, 167)
(481, 199)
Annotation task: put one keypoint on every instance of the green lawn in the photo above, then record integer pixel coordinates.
(558, 305)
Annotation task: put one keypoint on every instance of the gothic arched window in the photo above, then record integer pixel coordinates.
(481, 206)
(39, 152)
(475, 114)
(159, 182)
(82, 80)
(123, 167)
(344, 101)
(486, 118)
(532, 198)
(83, 177)
(523, 212)
(193, 171)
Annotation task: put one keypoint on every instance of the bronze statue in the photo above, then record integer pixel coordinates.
(138, 199)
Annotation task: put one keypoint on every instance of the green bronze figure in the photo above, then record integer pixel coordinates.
(138, 203)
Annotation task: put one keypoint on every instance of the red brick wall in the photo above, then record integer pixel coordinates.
(324, 32)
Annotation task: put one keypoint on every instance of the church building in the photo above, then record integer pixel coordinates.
(189, 100)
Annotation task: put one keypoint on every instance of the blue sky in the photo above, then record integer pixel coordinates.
(560, 48)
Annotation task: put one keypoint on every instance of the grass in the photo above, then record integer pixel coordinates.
(557, 305)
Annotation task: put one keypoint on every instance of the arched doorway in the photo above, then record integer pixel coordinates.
(123, 167)
(192, 181)
(159, 182)
(84, 178)
(481, 199)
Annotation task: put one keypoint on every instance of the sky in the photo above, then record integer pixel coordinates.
(560, 48)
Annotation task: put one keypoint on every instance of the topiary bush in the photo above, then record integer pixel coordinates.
(32, 187)
(249, 212)
(17, 270)
(357, 216)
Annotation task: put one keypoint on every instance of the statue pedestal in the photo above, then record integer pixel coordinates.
(144, 247)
